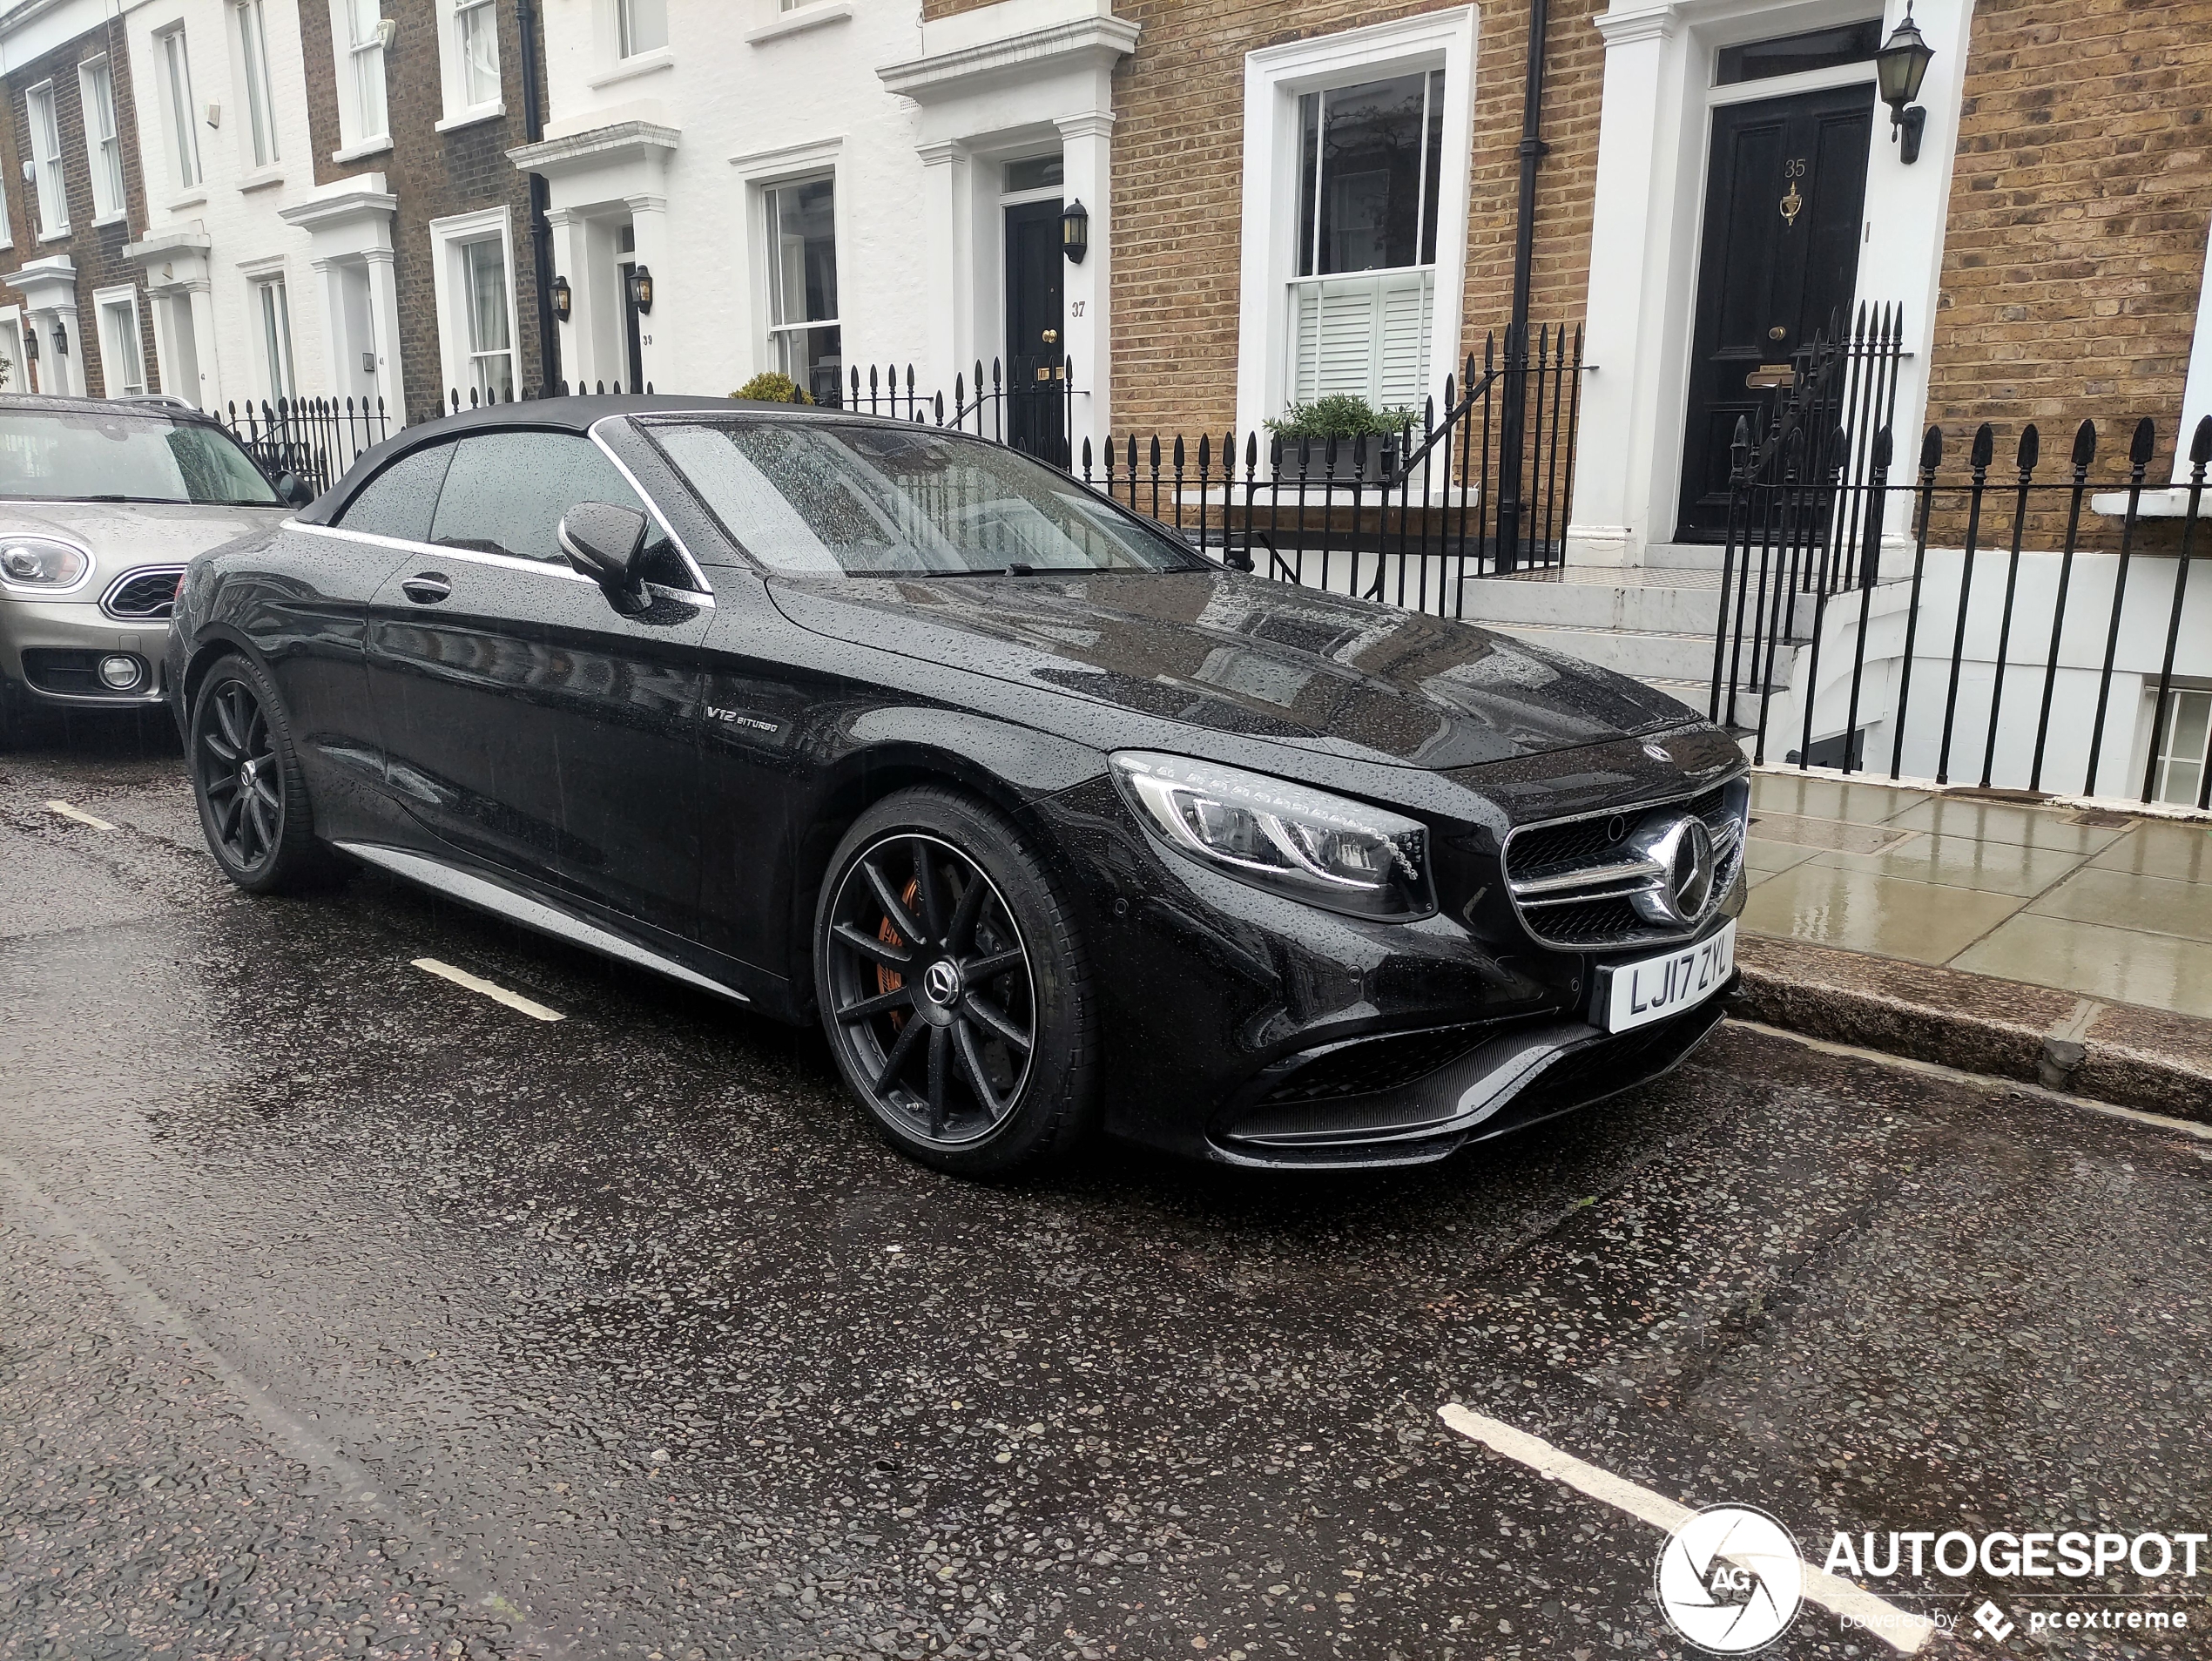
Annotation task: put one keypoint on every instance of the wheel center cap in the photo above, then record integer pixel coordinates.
(941, 982)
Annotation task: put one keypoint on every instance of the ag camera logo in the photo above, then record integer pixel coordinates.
(1730, 1579)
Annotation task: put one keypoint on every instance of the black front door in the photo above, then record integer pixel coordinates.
(1785, 189)
(1037, 411)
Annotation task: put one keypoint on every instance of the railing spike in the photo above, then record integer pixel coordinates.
(2145, 441)
(2031, 448)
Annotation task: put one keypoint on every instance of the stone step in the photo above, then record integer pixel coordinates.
(1639, 602)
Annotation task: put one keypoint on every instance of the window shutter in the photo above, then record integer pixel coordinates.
(1365, 335)
(1407, 304)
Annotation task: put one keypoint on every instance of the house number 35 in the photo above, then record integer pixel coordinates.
(1792, 203)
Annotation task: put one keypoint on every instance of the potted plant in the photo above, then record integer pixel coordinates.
(1366, 445)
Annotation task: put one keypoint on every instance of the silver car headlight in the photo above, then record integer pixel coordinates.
(42, 565)
(1326, 850)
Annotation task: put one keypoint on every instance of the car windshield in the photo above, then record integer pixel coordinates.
(111, 456)
(823, 499)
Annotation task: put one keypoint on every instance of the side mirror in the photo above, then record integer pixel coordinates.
(603, 541)
(293, 489)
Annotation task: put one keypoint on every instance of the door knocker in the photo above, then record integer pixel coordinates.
(1792, 203)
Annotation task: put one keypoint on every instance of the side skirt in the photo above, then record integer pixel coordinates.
(504, 902)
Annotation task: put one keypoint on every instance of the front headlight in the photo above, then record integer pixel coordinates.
(1326, 850)
(41, 565)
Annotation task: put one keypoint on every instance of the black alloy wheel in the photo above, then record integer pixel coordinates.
(246, 776)
(952, 988)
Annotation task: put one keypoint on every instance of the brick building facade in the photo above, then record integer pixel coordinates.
(73, 279)
(437, 168)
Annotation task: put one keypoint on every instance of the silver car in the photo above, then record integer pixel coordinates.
(102, 505)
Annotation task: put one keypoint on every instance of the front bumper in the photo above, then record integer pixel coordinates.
(1246, 1029)
(50, 651)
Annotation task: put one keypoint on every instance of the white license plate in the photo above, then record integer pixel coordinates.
(1635, 994)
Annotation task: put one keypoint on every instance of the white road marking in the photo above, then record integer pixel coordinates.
(1899, 1629)
(496, 993)
(79, 815)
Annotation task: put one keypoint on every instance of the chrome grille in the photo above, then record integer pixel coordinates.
(1575, 882)
(143, 596)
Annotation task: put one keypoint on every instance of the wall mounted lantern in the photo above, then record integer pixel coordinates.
(30, 344)
(641, 290)
(1075, 231)
(563, 299)
(61, 341)
(1900, 66)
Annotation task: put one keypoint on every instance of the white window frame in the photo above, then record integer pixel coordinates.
(1274, 78)
(258, 133)
(454, 16)
(628, 48)
(46, 162)
(760, 174)
(107, 303)
(179, 114)
(449, 282)
(275, 360)
(775, 333)
(355, 62)
(103, 138)
(17, 377)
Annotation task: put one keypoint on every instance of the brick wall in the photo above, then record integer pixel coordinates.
(1178, 167)
(97, 250)
(2078, 217)
(435, 175)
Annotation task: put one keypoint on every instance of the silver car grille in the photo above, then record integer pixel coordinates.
(142, 595)
(1592, 882)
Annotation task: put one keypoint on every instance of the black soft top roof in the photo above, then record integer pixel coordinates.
(572, 415)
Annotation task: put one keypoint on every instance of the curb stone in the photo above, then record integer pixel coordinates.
(2121, 1054)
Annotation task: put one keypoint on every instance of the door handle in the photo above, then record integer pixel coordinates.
(427, 588)
(1051, 337)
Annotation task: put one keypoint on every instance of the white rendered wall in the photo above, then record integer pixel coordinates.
(241, 224)
(734, 99)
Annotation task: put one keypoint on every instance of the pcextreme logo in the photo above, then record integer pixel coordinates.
(1729, 1580)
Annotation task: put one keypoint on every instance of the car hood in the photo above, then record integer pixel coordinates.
(1242, 654)
(122, 534)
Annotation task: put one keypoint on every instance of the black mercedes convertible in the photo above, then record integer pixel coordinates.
(1055, 824)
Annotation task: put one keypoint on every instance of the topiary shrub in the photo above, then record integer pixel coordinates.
(1341, 415)
(769, 387)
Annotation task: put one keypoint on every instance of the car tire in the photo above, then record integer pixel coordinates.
(246, 778)
(954, 988)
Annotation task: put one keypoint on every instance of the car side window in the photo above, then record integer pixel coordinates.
(505, 494)
(400, 500)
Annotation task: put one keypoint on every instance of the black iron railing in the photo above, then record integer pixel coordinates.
(2032, 642)
(1408, 516)
(314, 438)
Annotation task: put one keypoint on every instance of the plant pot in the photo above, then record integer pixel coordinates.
(1355, 459)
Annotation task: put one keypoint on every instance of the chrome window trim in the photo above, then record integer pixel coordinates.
(499, 562)
(107, 594)
(646, 497)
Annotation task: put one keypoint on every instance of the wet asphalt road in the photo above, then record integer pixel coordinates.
(343, 1311)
